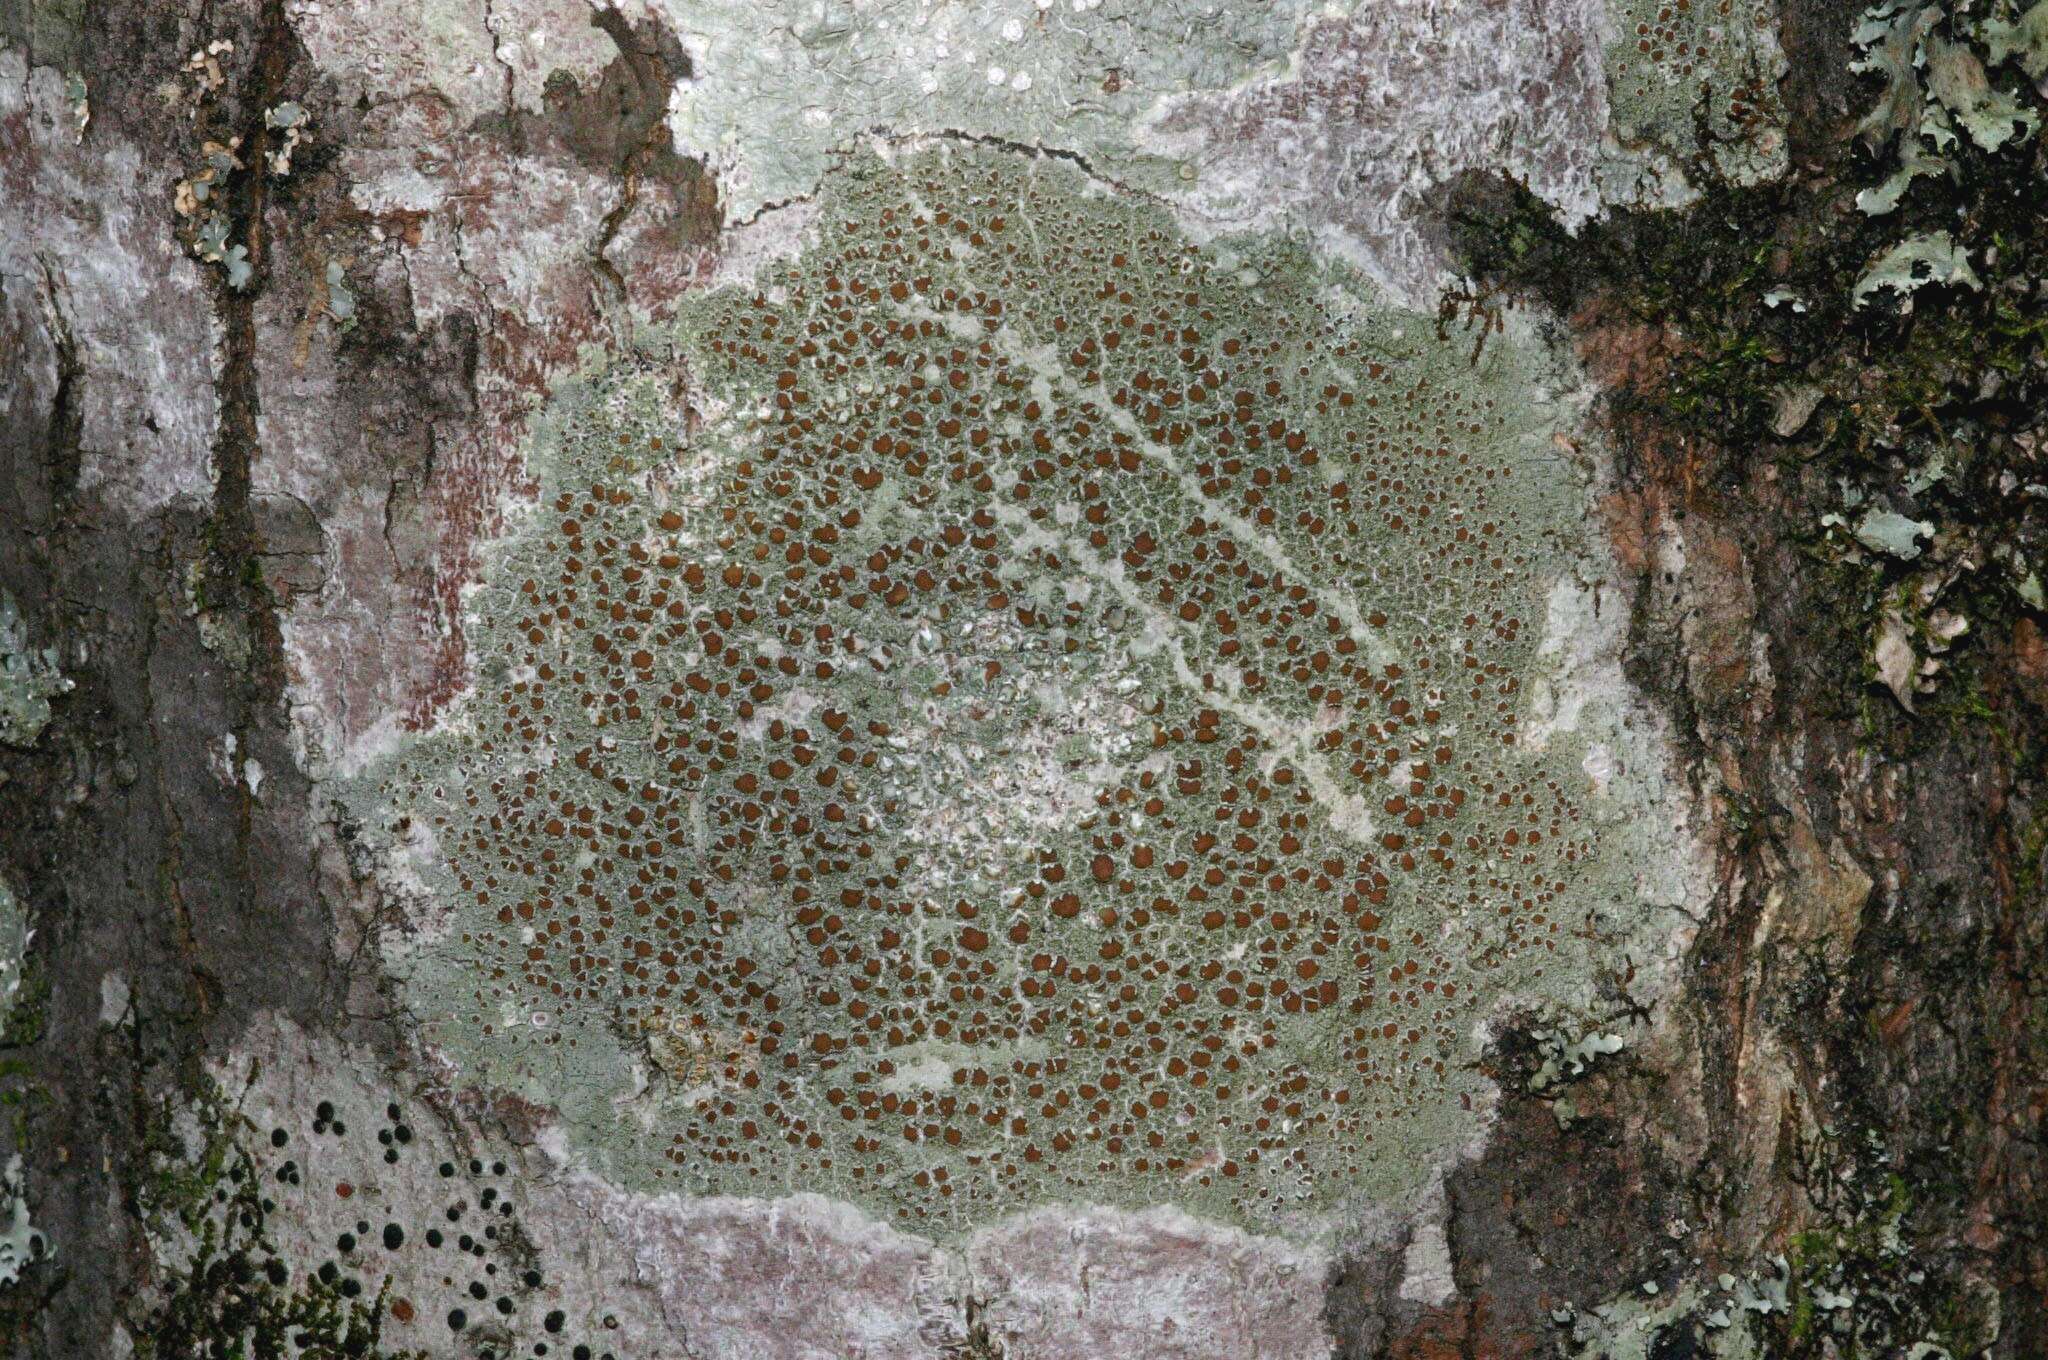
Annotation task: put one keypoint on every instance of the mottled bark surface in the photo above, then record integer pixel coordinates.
(305, 307)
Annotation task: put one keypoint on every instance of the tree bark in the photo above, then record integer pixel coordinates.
(334, 332)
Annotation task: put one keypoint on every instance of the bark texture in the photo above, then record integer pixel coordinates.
(308, 313)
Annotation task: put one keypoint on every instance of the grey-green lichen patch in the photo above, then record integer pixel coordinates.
(14, 939)
(29, 679)
(1693, 85)
(1914, 263)
(1073, 74)
(1946, 76)
(1340, 119)
(1565, 1057)
(1856, 1282)
(21, 1242)
(1057, 721)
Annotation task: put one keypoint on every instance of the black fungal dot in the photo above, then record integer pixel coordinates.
(394, 1237)
(434, 1238)
(447, 1169)
(554, 1320)
(324, 1111)
(278, 1138)
(457, 1319)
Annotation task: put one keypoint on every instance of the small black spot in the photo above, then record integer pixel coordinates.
(447, 1168)
(394, 1237)
(504, 1305)
(434, 1238)
(278, 1137)
(457, 1319)
(554, 1320)
(346, 1243)
(324, 1111)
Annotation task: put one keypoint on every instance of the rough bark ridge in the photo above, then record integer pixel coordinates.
(1691, 961)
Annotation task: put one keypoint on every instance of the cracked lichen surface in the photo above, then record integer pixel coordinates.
(1076, 74)
(1053, 721)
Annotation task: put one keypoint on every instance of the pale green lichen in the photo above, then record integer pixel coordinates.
(1937, 73)
(21, 1242)
(1693, 85)
(289, 121)
(1054, 723)
(1888, 531)
(1072, 74)
(1929, 258)
(14, 940)
(1565, 1058)
(2022, 40)
(341, 299)
(29, 679)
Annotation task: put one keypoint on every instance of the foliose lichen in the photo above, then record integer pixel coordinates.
(29, 679)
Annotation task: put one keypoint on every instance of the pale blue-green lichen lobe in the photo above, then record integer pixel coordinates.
(1052, 733)
(29, 679)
